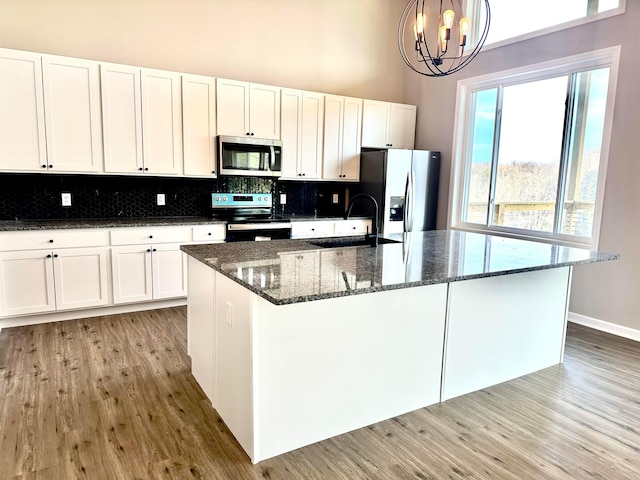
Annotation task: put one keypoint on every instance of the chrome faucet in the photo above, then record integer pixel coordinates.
(373, 236)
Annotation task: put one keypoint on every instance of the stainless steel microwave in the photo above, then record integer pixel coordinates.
(249, 156)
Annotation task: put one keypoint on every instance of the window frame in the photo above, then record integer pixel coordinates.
(608, 57)
(475, 5)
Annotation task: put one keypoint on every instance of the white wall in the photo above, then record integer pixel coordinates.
(606, 291)
(344, 47)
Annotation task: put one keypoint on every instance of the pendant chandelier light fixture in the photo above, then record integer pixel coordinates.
(440, 34)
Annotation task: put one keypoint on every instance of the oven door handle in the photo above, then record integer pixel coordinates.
(257, 226)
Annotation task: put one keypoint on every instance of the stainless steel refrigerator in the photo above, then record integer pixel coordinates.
(405, 185)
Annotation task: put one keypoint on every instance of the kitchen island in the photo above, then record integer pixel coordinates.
(297, 341)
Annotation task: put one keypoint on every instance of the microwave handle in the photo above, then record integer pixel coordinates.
(272, 159)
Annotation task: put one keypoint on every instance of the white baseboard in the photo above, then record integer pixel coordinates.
(608, 327)
(89, 312)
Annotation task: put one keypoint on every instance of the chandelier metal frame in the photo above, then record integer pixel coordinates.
(436, 61)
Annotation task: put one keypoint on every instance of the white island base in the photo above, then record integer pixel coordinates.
(285, 376)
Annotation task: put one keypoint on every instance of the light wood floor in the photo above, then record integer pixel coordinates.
(112, 398)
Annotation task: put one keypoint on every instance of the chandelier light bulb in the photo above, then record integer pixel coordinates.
(464, 25)
(464, 28)
(420, 23)
(443, 35)
(447, 18)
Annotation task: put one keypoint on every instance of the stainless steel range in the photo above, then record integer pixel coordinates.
(249, 216)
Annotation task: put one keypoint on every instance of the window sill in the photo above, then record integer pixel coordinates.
(564, 240)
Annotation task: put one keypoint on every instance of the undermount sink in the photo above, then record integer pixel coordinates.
(349, 242)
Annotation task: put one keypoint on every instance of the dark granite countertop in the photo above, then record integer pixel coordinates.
(24, 225)
(294, 271)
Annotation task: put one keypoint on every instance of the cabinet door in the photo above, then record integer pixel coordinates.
(131, 273)
(22, 138)
(80, 277)
(121, 118)
(72, 114)
(199, 125)
(402, 126)
(264, 111)
(291, 132)
(332, 151)
(375, 124)
(169, 272)
(161, 122)
(311, 135)
(351, 138)
(232, 107)
(26, 283)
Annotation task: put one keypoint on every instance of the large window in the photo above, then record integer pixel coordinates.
(512, 19)
(531, 149)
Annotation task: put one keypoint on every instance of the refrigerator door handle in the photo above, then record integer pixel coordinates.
(413, 192)
(406, 204)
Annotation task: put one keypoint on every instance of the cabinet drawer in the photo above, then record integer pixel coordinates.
(52, 239)
(352, 227)
(209, 233)
(145, 236)
(311, 229)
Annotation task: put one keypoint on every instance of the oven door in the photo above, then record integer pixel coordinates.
(249, 232)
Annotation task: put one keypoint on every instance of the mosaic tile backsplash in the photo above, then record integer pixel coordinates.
(38, 196)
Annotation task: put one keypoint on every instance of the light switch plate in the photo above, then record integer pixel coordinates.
(334, 198)
(66, 199)
(160, 199)
(283, 199)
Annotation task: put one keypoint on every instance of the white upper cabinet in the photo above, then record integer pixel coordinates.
(72, 114)
(342, 135)
(402, 126)
(302, 123)
(56, 95)
(142, 120)
(388, 125)
(247, 109)
(22, 137)
(161, 122)
(121, 118)
(199, 125)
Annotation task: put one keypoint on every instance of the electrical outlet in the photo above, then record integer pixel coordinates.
(160, 199)
(334, 198)
(66, 199)
(229, 314)
(283, 199)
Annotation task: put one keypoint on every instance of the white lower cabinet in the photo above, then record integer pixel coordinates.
(26, 282)
(80, 277)
(39, 281)
(148, 272)
(330, 228)
(131, 273)
(147, 263)
(48, 271)
(169, 272)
